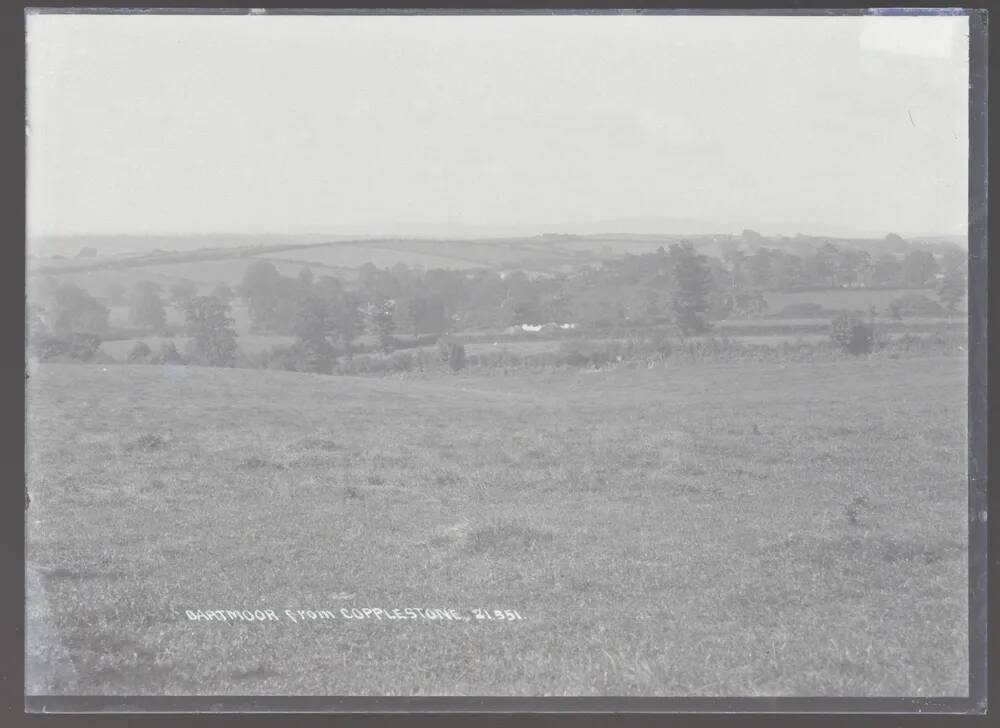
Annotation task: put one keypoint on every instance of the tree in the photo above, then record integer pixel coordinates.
(953, 258)
(827, 259)
(919, 266)
(852, 334)
(34, 323)
(115, 294)
(854, 266)
(346, 319)
(692, 283)
(789, 271)
(329, 288)
(895, 240)
(78, 346)
(888, 270)
(761, 268)
(312, 328)
(76, 311)
(367, 277)
(306, 277)
(747, 304)
(168, 354)
(224, 293)
(735, 260)
(145, 306)
(753, 238)
(953, 288)
(182, 292)
(452, 353)
(425, 315)
(213, 334)
(259, 288)
(139, 353)
(381, 322)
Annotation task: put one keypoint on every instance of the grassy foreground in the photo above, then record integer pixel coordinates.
(714, 530)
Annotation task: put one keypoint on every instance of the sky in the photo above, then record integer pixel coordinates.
(170, 124)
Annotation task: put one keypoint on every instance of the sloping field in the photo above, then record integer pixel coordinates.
(721, 530)
(355, 255)
(838, 299)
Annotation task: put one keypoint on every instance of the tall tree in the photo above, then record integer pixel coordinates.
(259, 288)
(224, 293)
(312, 328)
(692, 283)
(919, 266)
(789, 271)
(761, 268)
(213, 334)
(115, 294)
(381, 321)
(827, 259)
(888, 270)
(953, 288)
(73, 310)
(182, 292)
(146, 306)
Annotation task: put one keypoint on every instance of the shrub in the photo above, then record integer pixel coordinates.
(803, 310)
(168, 354)
(67, 347)
(139, 354)
(915, 304)
(286, 358)
(852, 334)
(452, 353)
(574, 354)
(401, 361)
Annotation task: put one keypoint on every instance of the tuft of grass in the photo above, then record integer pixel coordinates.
(147, 443)
(256, 463)
(855, 509)
(504, 536)
(319, 443)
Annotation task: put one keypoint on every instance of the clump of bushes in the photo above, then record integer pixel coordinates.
(452, 353)
(584, 354)
(75, 347)
(168, 354)
(285, 358)
(139, 354)
(853, 334)
(915, 305)
(398, 362)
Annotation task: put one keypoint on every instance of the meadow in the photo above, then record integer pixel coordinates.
(713, 530)
(837, 299)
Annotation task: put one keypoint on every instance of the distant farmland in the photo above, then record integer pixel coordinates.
(837, 299)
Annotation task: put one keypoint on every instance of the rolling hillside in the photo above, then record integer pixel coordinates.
(714, 530)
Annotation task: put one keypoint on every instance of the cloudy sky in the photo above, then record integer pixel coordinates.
(252, 124)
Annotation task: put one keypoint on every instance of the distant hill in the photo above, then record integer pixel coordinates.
(777, 234)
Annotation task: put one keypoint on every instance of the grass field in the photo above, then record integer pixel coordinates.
(713, 530)
(383, 256)
(837, 299)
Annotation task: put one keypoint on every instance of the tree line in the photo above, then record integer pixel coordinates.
(325, 315)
